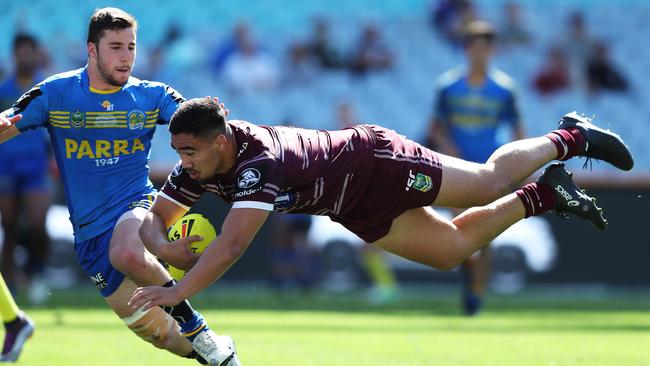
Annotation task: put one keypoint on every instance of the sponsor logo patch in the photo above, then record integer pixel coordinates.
(136, 120)
(242, 149)
(246, 192)
(248, 178)
(108, 106)
(78, 119)
(99, 281)
(419, 181)
(567, 197)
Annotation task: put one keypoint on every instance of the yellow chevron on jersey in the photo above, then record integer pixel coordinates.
(132, 120)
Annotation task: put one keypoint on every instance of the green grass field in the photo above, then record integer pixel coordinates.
(539, 327)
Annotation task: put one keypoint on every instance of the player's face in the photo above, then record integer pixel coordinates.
(26, 57)
(479, 51)
(201, 157)
(114, 56)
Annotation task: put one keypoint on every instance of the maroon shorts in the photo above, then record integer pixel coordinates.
(405, 175)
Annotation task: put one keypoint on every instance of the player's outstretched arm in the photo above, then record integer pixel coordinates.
(8, 130)
(153, 233)
(238, 230)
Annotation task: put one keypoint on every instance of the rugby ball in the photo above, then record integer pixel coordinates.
(188, 225)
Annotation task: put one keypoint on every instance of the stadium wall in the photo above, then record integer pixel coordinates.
(617, 256)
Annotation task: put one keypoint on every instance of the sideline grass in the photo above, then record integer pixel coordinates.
(532, 329)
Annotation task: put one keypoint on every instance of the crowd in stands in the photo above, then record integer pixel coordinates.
(299, 71)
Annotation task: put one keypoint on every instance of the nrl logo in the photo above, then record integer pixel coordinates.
(77, 119)
(419, 181)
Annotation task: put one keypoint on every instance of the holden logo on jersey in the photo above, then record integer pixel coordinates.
(136, 120)
(78, 119)
(248, 178)
(246, 192)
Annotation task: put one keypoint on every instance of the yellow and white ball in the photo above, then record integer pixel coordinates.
(188, 225)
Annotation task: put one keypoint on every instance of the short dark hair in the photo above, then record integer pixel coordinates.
(478, 29)
(198, 117)
(109, 19)
(24, 38)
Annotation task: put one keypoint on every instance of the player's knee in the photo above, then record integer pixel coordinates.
(154, 326)
(126, 258)
(449, 259)
(448, 266)
(444, 263)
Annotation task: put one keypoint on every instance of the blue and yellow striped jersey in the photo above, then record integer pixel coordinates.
(474, 114)
(101, 141)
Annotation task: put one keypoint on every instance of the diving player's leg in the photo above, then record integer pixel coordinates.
(513, 162)
(424, 236)
(467, 184)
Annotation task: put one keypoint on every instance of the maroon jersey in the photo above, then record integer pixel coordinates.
(362, 176)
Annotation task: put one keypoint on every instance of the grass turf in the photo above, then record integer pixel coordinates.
(538, 327)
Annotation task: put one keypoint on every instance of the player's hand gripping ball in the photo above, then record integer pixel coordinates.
(188, 225)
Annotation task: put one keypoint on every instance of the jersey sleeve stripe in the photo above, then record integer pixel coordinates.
(253, 204)
(162, 194)
(193, 196)
(273, 186)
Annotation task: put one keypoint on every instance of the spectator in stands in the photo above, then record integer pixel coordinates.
(512, 32)
(249, 68)
(449, 18)
(157, 61)
(602, 74)
(233, 43)
(24, 184)
(371, 52)
(321, 48)
(472, 105)
(553, 76)
(578, 45)
(301, 68)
